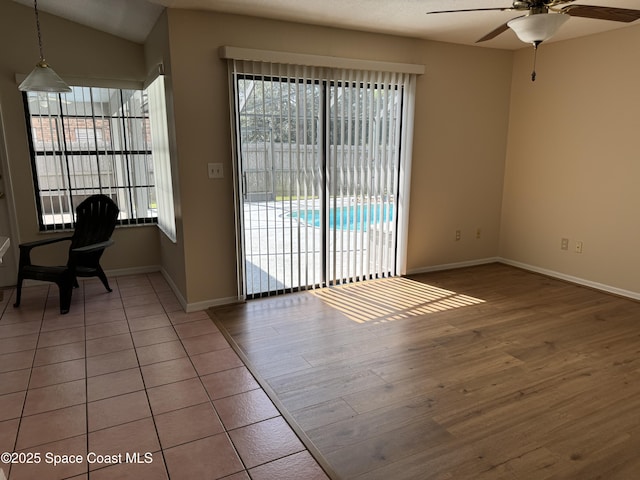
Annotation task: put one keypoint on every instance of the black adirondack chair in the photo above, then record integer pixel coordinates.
(95, 221)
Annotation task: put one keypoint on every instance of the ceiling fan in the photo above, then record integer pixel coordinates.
(545, 17)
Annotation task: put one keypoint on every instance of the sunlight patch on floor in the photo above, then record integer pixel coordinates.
(391, 299)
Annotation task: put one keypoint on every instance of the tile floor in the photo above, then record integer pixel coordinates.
(127, 385)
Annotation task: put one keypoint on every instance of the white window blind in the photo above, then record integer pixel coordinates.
(323, 158)
(161, 157)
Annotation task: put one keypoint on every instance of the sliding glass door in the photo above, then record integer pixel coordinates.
(318, 160)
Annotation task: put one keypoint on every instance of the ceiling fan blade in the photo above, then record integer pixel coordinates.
(495, 9)
(494, 33)
(602, 13)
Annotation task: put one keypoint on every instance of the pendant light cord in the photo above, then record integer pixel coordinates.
(35, 8)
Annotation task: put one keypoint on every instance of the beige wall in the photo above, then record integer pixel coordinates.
(462, 113)
(157, 51)
(568, 139)
(461, 123)
(573, 160)
(73, 50)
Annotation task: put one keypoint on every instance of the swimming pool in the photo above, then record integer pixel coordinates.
(352, 217)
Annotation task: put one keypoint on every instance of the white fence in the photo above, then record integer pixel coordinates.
(274, 170)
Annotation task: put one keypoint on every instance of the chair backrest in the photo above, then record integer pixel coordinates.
(96, 219)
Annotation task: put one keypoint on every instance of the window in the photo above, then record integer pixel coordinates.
(91, 140)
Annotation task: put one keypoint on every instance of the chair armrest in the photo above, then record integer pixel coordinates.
(25, 249)
(38, 243)
(93, 247)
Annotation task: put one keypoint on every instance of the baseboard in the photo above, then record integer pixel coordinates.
(195, 306)
(532, 268)
(452, 266)
(187, 307)
(570, 278)
(119, 272)
(203, 305)
(175, 289)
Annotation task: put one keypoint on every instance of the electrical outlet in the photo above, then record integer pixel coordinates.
(564, 244)
(458, 235)
(215, 170)
(578, 247)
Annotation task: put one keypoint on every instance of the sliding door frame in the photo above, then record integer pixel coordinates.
(401, 203)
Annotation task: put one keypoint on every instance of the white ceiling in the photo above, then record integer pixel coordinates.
(133, 19)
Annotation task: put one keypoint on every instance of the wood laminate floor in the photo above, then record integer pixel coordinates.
(487, 372)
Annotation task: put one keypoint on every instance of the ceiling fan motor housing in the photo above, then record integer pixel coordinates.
(521, 5)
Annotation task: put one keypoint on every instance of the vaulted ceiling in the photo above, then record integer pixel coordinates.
(133, 19)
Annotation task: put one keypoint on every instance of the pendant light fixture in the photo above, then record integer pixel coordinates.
(42, 78)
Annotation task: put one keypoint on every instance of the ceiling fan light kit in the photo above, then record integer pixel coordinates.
(537, 28)
(43, 78)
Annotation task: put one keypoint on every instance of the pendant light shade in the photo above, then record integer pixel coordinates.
(537, 28)
(42, 78)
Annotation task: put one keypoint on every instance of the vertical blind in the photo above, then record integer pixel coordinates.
(161, 157)
(322, 157)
